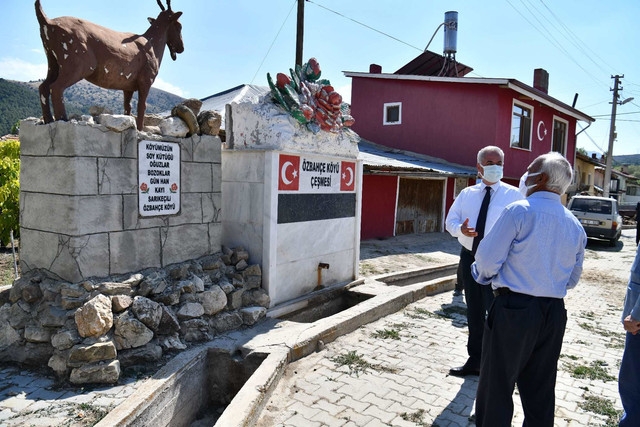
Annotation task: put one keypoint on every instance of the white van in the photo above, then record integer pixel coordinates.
(599, 216)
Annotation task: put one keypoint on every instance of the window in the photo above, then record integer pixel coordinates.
(521, 127)
(461, 184)
(559, 140)
(392, 113)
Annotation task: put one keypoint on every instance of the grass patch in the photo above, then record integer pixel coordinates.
(601, 406)
(595, 371)
(353, 361)
(452, 312)
(596, 329)
(416, 417)
(357, 364)
(386, 334)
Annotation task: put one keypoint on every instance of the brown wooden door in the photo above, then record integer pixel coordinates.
(419, 206)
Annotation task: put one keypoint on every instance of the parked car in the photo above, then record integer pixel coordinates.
(599, 216)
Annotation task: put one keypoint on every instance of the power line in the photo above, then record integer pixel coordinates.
(366, 26)
(274, 40)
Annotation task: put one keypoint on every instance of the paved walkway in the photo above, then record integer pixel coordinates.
(394, 371)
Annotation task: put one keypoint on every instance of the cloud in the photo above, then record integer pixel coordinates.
(18, 69)
(168, 87)
(345, 91)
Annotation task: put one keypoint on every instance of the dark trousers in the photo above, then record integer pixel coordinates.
(478, 298)
(629, 382)
(522, 343)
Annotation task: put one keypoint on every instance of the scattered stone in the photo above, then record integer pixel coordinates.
(213, 301)
(120, 303)
(115, 288)
(37, 334)
(117, 122)
(171, 342)
(209, 122)
(226, 321)
(82, 354)
(190, 310)
(130, 332)
(65, 339)
(251, 315)
(174, 126)
(169, 323)
(94, 317)
(147, 311)
(136, 356)
(98, 373)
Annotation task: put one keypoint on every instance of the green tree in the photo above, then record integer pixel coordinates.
(9, 189)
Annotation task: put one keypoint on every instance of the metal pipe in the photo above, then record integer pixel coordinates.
(322, 265)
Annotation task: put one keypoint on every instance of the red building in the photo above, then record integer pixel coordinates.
(451, 118)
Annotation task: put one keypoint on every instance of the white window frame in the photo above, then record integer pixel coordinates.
(388, 105)
(531, 109)
(566, 134)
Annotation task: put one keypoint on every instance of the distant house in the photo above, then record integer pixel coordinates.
(584, 181)
(589, 179)
(451, 117)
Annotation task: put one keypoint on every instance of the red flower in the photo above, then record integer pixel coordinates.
(174, 187)
(144, 187)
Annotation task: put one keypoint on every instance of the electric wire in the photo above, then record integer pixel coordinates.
(365, 25)
(274, 40)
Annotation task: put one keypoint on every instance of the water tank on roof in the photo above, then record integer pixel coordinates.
(450, 32)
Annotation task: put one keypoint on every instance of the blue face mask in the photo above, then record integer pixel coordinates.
(523, 187)
(492, 173)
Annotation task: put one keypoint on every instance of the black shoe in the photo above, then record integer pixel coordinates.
(463, 371)
(457, 293)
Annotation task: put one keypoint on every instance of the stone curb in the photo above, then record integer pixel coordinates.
(293, 341)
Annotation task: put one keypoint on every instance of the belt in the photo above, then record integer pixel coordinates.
(502, 291)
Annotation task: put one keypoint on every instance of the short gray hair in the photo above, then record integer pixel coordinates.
(558, 171)
(489, 149)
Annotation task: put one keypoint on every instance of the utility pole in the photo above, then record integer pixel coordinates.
(300, 32)
(612, 136)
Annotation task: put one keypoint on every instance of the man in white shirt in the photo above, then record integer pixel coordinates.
(461, 223)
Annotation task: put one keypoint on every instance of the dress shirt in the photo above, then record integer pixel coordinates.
(536, 247)
(632, 298)
(467, 205)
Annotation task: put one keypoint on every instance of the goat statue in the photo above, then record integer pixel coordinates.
(77, 49)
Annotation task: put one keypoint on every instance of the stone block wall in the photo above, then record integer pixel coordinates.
(79, 202)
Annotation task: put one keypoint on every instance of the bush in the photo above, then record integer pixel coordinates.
(9, 189)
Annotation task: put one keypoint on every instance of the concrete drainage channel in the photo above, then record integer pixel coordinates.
(228, 381)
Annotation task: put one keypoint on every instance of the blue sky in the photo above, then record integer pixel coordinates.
(581, 43)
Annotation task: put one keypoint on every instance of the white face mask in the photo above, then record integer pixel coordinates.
(492, 173)
(523, 187)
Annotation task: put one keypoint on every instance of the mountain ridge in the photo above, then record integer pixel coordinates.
(19, 100)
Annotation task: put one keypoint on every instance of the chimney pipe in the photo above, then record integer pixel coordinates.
(541, 80)
(375, 69)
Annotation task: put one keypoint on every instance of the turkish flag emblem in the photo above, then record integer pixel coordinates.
(347, 176)
(289, 176)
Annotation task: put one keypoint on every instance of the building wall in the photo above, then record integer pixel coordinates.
(452, 121)
(379, 193)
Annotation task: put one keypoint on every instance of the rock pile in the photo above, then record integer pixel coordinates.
(86, 332)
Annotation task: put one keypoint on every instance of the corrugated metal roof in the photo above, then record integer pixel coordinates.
(380, 159)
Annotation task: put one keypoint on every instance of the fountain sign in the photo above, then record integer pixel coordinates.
(307, 174)
(158, 178)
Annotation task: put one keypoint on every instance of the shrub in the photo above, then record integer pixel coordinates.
(9, 189)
